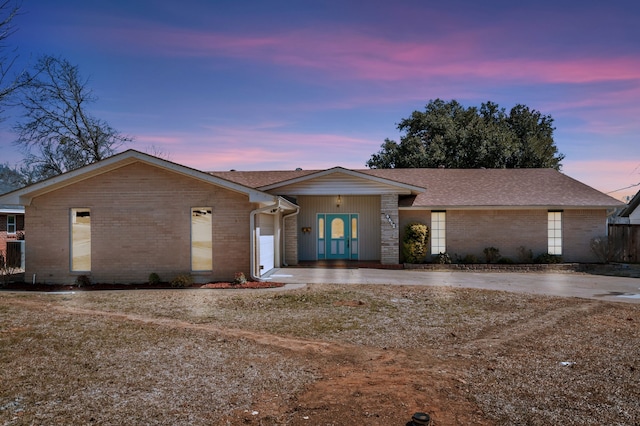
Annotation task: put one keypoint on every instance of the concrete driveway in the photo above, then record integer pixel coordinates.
(618, 289)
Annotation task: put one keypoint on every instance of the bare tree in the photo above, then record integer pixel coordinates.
(8, 83)
(58, 134)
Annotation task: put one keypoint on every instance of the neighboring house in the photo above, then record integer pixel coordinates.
(12, 235)
(132, 214)
(631, 213)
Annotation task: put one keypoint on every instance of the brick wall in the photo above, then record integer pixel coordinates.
(471, 231)
(140, 223)
(578, 228)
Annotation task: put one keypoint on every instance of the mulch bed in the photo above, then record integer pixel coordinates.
(139, 286)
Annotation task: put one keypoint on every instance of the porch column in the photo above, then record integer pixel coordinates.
(291, 241)
(389, 232)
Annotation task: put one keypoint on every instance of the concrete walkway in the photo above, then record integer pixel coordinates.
(618, 289)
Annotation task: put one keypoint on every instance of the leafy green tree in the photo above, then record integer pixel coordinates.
(449, 135)
(58, 134)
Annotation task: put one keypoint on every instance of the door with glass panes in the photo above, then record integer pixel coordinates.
(338, 236)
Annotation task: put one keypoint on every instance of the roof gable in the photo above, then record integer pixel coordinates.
(25, 195)
(339, 180)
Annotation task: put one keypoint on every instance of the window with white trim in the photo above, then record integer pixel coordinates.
(11, 224)
(201, 239)
(81, 240)
(438, 233)
(554, 232)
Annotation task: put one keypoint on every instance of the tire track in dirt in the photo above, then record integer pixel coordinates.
(381, 386)
(495, 337)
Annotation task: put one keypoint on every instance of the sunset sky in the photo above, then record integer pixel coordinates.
(281, 84)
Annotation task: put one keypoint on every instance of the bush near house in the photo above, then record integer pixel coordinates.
(414, 242)
(154, 278)
(548, 258)
(182, 281)
(491, 254)
(83, 281)
(525, 255)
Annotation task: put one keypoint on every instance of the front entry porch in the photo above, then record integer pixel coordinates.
(346, 264)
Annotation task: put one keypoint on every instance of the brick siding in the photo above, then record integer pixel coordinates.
(140, 223)
(471, 231)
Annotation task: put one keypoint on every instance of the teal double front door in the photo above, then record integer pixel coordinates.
(338, 236)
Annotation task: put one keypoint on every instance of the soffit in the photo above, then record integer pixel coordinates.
(339, 183)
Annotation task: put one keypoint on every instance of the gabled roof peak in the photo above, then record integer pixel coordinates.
(25, 195)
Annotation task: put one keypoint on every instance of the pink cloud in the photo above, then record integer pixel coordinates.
(618, 178)
(265, 147)
(226, 148)
(348, 54)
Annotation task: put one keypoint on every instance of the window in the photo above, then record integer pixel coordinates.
(354, 236)
(201, 239)
(554, 232)
(11, 224)
(337, 228)
(321, 228)
(438, 236)
(81, 240)
(321, 241)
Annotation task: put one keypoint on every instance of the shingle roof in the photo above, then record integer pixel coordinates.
(262, 178)
(465, 187)
(498, 187)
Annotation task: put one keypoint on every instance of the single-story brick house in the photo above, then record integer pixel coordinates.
(122, 218)
(11, 236)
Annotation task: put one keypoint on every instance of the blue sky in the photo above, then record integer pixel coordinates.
(254, 85)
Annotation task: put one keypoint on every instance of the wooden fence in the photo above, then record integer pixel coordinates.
(624, 241)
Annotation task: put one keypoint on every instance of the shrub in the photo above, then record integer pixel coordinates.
(182, 281)
(505, 261)
(469, 259)
(83, 281)
(602, 248)
(548, 258)
(154, 278)
(239, 278)
(443, 259)
(525, 255)
(491, 254)
(414, 242)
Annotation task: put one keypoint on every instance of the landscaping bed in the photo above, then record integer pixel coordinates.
(22, 286)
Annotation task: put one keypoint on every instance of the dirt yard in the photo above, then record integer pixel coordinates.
(322, 355)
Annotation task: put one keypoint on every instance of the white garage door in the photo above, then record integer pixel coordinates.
(267, 259)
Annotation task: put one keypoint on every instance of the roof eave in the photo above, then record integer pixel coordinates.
(412, 189)
(513, 207)
(25, 195)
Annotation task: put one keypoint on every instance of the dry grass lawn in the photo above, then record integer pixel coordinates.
(322, 355)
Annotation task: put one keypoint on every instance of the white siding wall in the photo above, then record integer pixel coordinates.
(267, 242)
